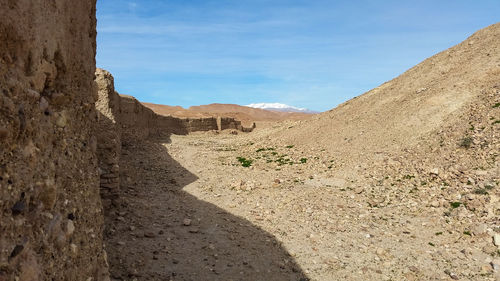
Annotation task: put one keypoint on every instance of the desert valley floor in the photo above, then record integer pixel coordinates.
(191, 211)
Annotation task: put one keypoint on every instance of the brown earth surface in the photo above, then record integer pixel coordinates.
(247, 115)
(401, 183)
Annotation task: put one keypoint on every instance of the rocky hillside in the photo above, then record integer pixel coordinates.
(434, 95)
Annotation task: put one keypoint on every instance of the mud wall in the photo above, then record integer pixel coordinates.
(136, 121)
(50, 209)
(229, 123)
(108, 133)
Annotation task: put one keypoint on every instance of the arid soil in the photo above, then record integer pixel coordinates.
(277, 222)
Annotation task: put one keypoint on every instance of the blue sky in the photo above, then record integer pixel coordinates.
(310, 53)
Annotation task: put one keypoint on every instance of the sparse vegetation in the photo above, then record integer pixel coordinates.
(481, 191)
(496, 105)
(455, 205)
(245, 162)
(264, 149)
(466, 142)
(303, 160)
(290, 146)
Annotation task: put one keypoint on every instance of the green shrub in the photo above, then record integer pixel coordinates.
(466, 142)
(245, 162)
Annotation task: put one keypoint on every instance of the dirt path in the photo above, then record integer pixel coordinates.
(161, 232)
(192, 212)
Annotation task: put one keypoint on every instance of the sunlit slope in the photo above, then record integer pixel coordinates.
(400, 112)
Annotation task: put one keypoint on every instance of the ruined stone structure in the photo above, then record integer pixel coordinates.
(57, 152)
(123, 119)
(51, 215)
(108, 133)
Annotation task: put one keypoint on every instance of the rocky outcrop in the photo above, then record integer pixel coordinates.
(51, 215)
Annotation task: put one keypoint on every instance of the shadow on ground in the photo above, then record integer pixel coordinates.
(156, 231)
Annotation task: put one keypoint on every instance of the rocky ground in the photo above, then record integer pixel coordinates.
(218, 207)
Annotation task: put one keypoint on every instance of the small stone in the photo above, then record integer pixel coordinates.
(44, 104)
(186, 222)
(496, 265)
(61, 121)
(481, 173)
(485, 269)
(420, 90)
(380, 252)
(413, 268)
(70, 227)
(194, 230)
(17, 250)
(3, 132)
(434, 171)
(277, 181)
(73, 248)
(480, 229)
(452, 275)
(149, 234)
(435, 204)
(132, 228)
(18, 208)
(32, 94)
(496, 239)
(121, 243)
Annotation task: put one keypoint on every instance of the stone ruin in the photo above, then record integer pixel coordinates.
(58, 154)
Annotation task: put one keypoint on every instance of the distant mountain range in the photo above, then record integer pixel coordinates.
(281, 108)
(246, 114)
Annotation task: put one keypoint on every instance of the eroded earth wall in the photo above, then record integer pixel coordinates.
(108, 133)
(50, 209)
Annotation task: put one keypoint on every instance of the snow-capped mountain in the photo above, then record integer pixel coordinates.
(280, 107)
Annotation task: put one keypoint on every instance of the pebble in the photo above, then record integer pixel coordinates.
(496, 239)
(70, 227)
(74, 248)
(187, 222)
(496, 264)
(3, 132)
(452, 275)
(413, 268)
(194, 230)
(44, 104)
(18, 208)
(149, 234)
(61, 121)
(480, 229)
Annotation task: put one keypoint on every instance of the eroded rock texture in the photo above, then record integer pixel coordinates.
(50, 210)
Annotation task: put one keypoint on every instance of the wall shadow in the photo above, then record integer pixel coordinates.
(157, 231)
